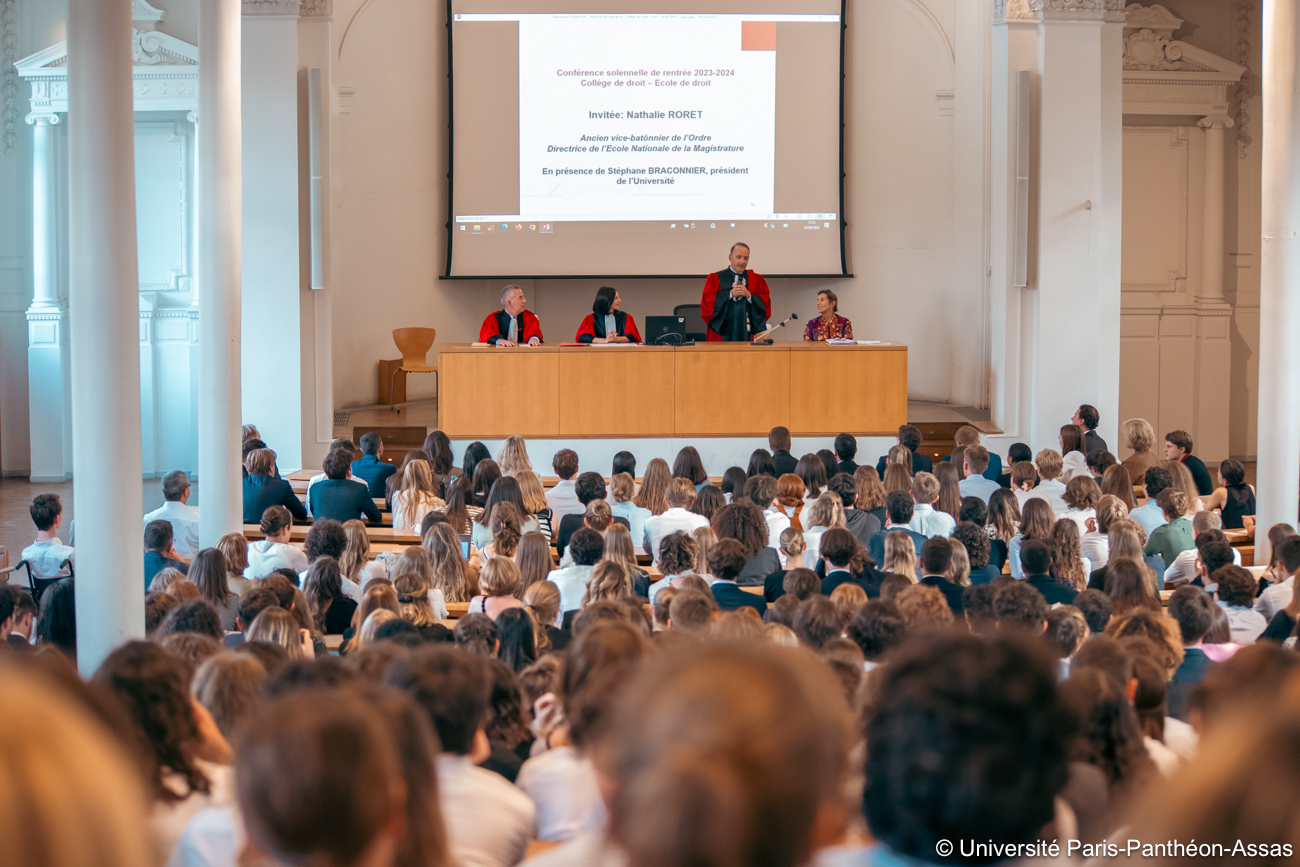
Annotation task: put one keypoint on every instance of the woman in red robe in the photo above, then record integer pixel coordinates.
(607, 323)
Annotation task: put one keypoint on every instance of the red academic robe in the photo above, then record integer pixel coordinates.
(712, 285)
(591, 328)
(497, 327)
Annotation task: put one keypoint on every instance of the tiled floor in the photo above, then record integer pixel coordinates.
(16, 528)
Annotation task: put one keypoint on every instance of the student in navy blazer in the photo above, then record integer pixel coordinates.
(898, 506)
(1037, 568)
(1193, 610)
(726, 562)
(909, 436)
(263, 490)
(844, 561)
(338, 496)
(936, 557)
(370, 470)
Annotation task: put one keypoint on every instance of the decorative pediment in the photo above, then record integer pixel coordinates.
(166, 71)
(1163, 76)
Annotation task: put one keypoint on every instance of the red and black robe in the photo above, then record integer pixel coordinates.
(594, 326)
(497, 327)
(731, 319)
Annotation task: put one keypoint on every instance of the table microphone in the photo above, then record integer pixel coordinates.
(767, 341)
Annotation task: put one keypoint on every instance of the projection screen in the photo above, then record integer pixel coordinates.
(634, 138)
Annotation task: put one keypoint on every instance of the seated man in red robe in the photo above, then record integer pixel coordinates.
(512, 325)
(736, 301)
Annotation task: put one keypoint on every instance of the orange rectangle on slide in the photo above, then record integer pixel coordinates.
(758, 36)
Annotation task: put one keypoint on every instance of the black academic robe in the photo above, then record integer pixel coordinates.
(594, 326)
(733, 320)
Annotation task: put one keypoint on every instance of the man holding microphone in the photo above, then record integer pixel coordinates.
(736, 301)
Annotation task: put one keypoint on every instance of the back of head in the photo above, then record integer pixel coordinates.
(691, 611)
(318, 778)
(959, 707)
(1036, 556)
(325, 538)
(877, 628)
(1237, 587)
(936, 555)
(1019, 606)
(976, 542)
(599, 662)
(565, 463)
(846, 446)
(680, 493)
(451, 686)
(586, 547)
(923, 607)
(194, 615)
(817, 622)
(371, 443)
(727, 560)
(227, 685)
(839, 546)
(779, 439)
(761, 489)
(689, 790)
(1095, 607)
(977, 604)
(1066, 630)
(476, 634)
(801, 583)
(174, 485)
(899, 506)
(158, 536)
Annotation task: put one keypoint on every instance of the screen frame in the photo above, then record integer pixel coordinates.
(451, 180)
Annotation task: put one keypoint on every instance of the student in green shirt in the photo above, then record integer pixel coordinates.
(1170, 540)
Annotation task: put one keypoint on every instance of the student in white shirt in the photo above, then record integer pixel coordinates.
(1278, 596)
(1082, 494)
(274, 551)
(47, 554)
(677, 555)
(926, 519)
(824, 514)
(680, 496)
(976, 459)
(1206, 527)
(1095, 543)
(489, 821)
(1236, 596)
(563, 498)
(623, 489)
(585, 547)
(1050, 487)
(183, 518)
(415, 497)
(1073, 461)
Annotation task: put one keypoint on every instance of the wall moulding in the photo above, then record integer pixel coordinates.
(1177, 139)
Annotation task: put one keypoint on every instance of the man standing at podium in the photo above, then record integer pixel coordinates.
(736, 301)
(512, 325)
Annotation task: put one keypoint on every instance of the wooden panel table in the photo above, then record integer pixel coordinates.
(709, 389)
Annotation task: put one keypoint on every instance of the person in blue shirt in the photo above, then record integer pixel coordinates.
(340, 496)
(159, 554)
(371, 469)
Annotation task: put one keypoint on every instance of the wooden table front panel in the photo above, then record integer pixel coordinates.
(844, 388)
(732, 389)
(495, 393)
(616, 392)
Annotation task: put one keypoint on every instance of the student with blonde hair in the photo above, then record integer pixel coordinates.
(619, 549)
(534, 559)
(513, 457)
(1139, 436)
(1095, 544)
(355, 564)
(416, 497)
(1081, 495)
(448, 571)
(926, 520)
(609, 580)
(413, 576)
(654, 487)
(542, 601)
(279, 627)
(498, 585)
(870, 492)
(824, 514)
(234, 547)
(900, 555)
(623, 489)
(1183, 481)
(535, 504)
(1049, 464)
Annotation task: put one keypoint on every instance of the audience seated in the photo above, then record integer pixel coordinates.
(159, 552)
(926, 520)
(262, 489)
(679, 497)
(900, 508)
(339, 497)
(1036, 559)
(1178, 447)
(976, 484)
(1175, 535)
(183, 518)
(1235, 590)
(745, 523)
(371, 470)
(935, 558)
(48, 557)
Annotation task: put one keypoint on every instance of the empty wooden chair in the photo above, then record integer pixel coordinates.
(414, 344)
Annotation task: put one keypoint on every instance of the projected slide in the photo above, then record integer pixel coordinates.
(680, 123)
(644, 137)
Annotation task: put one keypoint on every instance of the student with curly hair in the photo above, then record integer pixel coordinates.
(745, 523)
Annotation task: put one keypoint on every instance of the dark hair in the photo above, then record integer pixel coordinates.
(761, 490)
(727, 559)
(1288, 552)
(839, 546)
(975, 541)
(255, 601)
(1233, 472)
(45, 509)
(935, 555)
(600, 660)
(801, 583)
(1065, 628)
(158, 535)
(1237, 587)
(843, 485)
(876, 628)
(733, 481)
(812, 470)
(1019, 605)
(326, 538)
(708, 500)
(192, 615)
(909, 437)
(475, 453)
(337, 464)
(846, 446)
(208, 573)
(1071, 439)
(960, 707)
(624, 462)
(604, 300)
(1019, 452)
(817, 621)
(1109, 735)
(401, 632)
(899, 505)
(272, 656)
(1100, 460)
(1157, 479)
(1036, 557)
(486, 473)
(322, 587)
(586, 546)
(518, 641)
(565, 463)
(1191, 608)
(761, 464)
(779, 438)
(453, 689)
(370, 443)
(1095, 606)
(689, 466)
(974, 510)
(437, 446)
(589, 486)
(977, 603)
(56, 623)
(1089, 416)
(151, 686)
(1180, 438)
(829, 461)
(743, 522)
(504, 490)
(1215, 554)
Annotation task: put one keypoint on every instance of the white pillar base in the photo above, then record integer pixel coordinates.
(49, 415)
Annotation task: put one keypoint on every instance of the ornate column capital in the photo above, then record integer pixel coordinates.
(1216, 122)
(316, 8)
(49, 118)
(1012, 11)
(1107, 11)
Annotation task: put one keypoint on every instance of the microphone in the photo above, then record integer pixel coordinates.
(767, 341)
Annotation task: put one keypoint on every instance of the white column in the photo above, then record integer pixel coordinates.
(1278, 447)
(104, 319)
(46, 318)
(1212, 226)
(220, 204)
